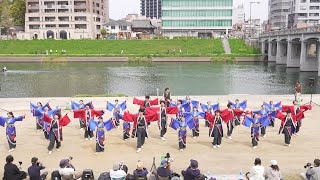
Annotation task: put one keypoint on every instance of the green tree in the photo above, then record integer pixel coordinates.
(103, 32)
(17, 11)
(5, 17)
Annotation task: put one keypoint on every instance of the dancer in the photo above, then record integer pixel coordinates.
(237, 105)
(41, 108)
(182, 133)
(216, 129)
(264, 112)
(80, 105)
(188, 104)
(296, 109)
(180, 108)
(140, 125)
(146, 103)
(99, 126)
(126, 130)
(232, 118)
(163, 111)
(116, 109)
(55, 135)
(167, 96)
(11, 129)
(272, 107)
(87, 114)
(45, 125)
(255, 124)
(210, 109)
(195, 114)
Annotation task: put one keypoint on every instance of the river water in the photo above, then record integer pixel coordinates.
(70, 79)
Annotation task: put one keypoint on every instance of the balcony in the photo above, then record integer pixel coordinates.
(80, 18)
(80, 10)
(63, 10)
(50, 26)
(80, 26)
(34, 19)
(49, 19)
(33, 11)
(63, 18)
(34, 26)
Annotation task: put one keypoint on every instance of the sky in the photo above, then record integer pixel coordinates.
(120, 8)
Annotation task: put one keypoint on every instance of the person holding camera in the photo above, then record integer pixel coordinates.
(11, 171)
(34, 170)
(117, 171)
(163, 172)
(141, 172)
(192, 171)
(67, 170)
(313, 173)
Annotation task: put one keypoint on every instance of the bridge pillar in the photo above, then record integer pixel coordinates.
(281, 57)
(309, 56)
(272, 51)
(263, 48)
(293, 55)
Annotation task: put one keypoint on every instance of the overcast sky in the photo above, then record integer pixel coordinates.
(120, 8)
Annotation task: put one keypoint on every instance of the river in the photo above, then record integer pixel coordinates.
(134, 79)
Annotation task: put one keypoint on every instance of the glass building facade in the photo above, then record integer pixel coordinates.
(196, 17)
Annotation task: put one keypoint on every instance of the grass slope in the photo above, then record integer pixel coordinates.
(238, 46)
(189, 47)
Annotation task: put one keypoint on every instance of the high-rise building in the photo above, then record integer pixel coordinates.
(200, 18)
(305, 11)
(278, 13)
(65, 19)
(238, 15)
(151, 8)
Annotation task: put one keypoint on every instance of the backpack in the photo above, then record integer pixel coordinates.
(55, 175)
(104, 176)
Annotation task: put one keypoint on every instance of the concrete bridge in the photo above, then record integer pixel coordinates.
(297, 48)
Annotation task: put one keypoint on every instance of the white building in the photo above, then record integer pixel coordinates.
(238, 15)
(120, 29)
(278, 13)
(63, 19)
(304, 11)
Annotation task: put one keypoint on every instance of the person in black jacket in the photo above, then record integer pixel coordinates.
(192, 171)
(11, 171)
(164, 171)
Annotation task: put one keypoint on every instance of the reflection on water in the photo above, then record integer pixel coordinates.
(69, 79)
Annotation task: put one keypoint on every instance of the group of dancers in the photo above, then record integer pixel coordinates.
(185, 113)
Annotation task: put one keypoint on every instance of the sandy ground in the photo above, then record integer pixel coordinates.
(234, 155)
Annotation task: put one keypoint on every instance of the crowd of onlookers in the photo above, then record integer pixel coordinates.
(119, 171)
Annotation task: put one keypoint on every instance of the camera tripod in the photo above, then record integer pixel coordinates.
(311, 102)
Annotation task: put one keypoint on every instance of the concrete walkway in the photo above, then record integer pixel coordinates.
(226, 46)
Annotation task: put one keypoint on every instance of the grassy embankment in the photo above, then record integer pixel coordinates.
(136, 50)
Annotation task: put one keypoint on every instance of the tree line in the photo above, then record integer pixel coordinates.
(12, 13)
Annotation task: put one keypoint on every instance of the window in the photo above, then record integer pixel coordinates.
(113, 27)
(314, 7)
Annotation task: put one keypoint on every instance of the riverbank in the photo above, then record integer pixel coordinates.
(290, 159)
(61, 59)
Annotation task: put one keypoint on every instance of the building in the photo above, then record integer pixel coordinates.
(120, 29)
(151, 8)
(200, 18)
(142, 29)
(252, 29)
(62, 19)
(304, 12)
(278, 13)
(238, 15)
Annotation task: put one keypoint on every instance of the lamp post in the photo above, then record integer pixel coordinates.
(252, 2)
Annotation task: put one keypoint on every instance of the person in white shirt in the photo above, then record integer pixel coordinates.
(257, 171)
(117, 173)
(67, 170)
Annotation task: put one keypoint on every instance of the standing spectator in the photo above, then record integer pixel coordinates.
(313, 173)
(50, 51)
(257, 171)
(117, 172)
(141, 172)
(34, 170)
(11, 171)
(273, 172)
(192, 171)
(297, 91)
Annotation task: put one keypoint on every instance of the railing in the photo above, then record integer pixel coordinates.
(313, 29)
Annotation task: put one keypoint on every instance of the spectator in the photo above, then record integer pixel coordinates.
(164, 172)
(117, 172)
(192, 171)
(273, 172)
(141, 172)
(34, 170)
(297, 91)
(67, 170)
(257, 171)
(313, 173)
(11, 171)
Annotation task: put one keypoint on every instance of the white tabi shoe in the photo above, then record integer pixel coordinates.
(58, 150)
(141, 147)
(11, 150)
(218, 146)
(81, 129)
(163, 139)
(86, 139)
(193, 137)
(149, 126)
(164, 136)
(229, 137)
(126, 139)
(264, 136)
(181, 149)
(297, 134)
(38, 130)
(138, 150)
(90, 139)
(214, 147)
(96, 153)
(50, 152)
(254, 147)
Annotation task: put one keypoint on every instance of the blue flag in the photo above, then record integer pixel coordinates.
(248, 121)
(93, 124)
(174, 124)
(109, 125)
(264, 120)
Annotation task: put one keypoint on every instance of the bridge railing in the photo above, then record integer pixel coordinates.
(313, 29)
